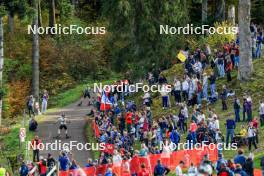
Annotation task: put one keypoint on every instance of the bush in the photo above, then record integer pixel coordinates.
(218, 40)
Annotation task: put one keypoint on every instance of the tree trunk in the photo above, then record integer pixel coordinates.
(1, 65)
(204, 11)
(11, 23)
(39, 13)
(73, 2)
(52, 19)
(220, 10)
(245, 68)
(232, 14)
(35, 55)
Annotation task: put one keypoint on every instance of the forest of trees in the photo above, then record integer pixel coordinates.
(132, 44)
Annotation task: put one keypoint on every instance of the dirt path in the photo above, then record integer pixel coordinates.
(47, 130)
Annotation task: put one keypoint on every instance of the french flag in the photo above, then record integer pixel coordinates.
(105, 102)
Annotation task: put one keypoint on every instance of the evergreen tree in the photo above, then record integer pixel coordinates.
(135, 32)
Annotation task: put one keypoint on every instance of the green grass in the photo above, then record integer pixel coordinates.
(67, 97)
(11, 148)
(91, 138)
(72, 95)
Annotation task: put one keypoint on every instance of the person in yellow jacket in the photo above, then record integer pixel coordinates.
(3, 171)
(242, 132)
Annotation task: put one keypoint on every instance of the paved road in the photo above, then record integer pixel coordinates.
(47, 130)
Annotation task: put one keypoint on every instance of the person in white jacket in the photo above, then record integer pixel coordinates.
(185, 89)
(178, 169)
(261, 112)
(117, 159)
(165, 96)
(205, 86)
(177, 91)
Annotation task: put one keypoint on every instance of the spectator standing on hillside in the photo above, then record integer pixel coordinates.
(240, 158)
(249, 109)
(205, 86)
(228, 69)
(35, 147)
(44, 103)
(165, 97)
(230, 129)
(236, 106)
(244, 108)
(224, 98)
(193, 128)
(237, 58)
(261, 113)
(259, 44)
(185, 89)
(177, 91)
(220, 65)
(256, 126)
(212, 80)
(251, 136)
(30, 105)
(147, 99)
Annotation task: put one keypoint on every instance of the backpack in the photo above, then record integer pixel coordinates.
(24, 170)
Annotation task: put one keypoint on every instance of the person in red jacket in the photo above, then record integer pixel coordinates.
(129, 120)
(144, 171)
(229, 67)
(35, 147)
(42, 167)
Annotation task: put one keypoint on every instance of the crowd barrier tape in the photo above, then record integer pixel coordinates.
(126, 168)
(170, 160)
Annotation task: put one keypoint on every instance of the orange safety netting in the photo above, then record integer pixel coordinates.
(171, 160)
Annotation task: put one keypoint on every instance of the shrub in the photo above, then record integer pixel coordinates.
(217, 40)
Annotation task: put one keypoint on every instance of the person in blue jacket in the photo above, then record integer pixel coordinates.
(23, 171)
(175, 137)
(240, 158)
(64, 161)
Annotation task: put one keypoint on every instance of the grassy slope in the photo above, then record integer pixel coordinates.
(253, 87)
